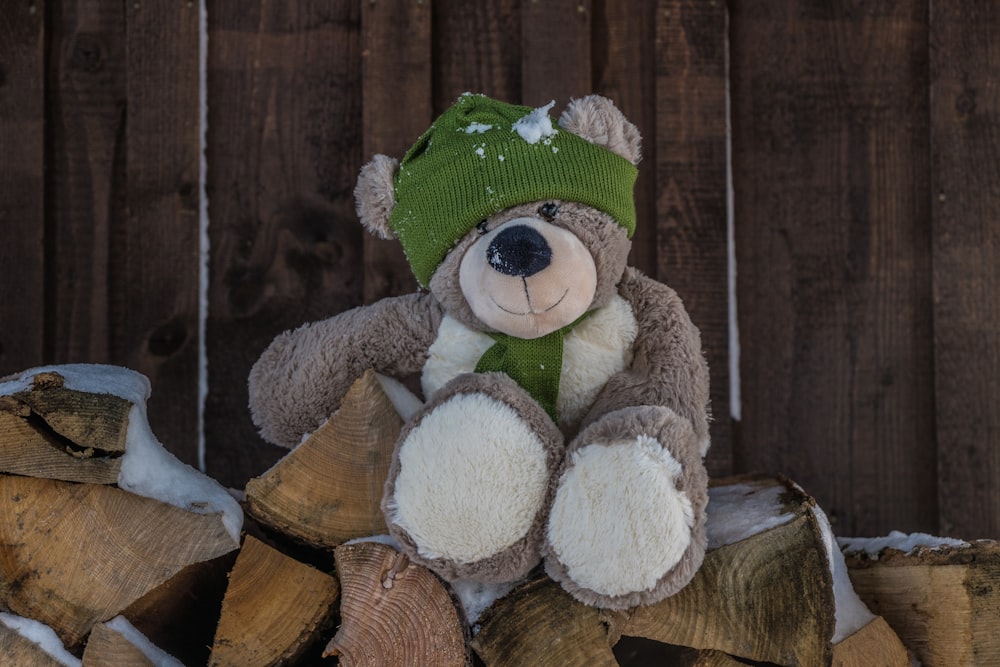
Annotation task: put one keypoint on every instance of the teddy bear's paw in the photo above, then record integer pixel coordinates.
(627, 523)
(470, 480)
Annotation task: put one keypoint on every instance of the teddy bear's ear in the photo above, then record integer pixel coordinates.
(599, 121)
(374, 195)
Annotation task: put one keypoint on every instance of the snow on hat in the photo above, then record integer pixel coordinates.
(482, 156)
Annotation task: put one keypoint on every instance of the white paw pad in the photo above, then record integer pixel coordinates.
(472, 479)
(619, 523)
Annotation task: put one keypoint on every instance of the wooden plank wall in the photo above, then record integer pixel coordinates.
(854, 143)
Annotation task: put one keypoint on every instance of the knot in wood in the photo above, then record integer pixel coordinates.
(399, 563)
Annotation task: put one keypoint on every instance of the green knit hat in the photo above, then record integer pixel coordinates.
(482, 156)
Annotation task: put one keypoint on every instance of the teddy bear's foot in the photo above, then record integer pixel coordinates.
(469, 482)
(627, 525)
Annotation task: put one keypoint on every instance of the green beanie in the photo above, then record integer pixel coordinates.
(482, 156)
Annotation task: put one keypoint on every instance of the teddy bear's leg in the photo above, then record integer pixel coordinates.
(470, 480)
(627, 525)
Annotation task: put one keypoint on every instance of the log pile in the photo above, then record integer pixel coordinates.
(943, 600)
(118, 578)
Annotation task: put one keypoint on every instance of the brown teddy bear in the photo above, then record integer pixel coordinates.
(566, 414)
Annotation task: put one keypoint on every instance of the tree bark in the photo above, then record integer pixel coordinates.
(943, 603)
(52, 432)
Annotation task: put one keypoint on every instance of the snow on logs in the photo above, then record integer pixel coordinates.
(76, 550)
(99, 522)
(940, 595)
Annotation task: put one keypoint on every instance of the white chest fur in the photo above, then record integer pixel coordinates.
(594, 350)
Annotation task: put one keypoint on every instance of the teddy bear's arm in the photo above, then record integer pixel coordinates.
(301, 378)
(668, 367)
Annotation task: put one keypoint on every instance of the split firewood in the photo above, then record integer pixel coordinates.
(394, 613)
(118, 643)
(24, 641)
(275, 608)
(48, 430)
(940, 595)
(540, 624)
(874, 644)
(76, 554)
(100, 410)
(328, 489)
(772, 589)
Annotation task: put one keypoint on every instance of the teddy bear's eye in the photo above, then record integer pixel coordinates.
(548, 210)
(482, 228)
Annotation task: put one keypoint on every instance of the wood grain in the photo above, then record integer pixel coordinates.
(476, 48)
(86, 99)
(81, 553)
(692, 186)
(329, 489)
(396, 92)
(833, 265)
(623, 58)
(555, 52)
(107, 646)
(393, 612)
(22, 184)
(284, 147)
(275, 608)
(540, 624)
(965, 200)
(154, 275)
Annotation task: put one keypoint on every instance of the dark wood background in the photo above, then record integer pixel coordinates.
(853, 145)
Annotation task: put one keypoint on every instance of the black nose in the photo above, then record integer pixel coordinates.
(519, 251)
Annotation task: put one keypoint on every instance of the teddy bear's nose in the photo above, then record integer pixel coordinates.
(519, 251)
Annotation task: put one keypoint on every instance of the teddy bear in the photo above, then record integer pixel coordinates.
(565, 405)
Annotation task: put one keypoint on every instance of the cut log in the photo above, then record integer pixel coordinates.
(275, 608)
(109, 647)
(53, 432)
(119, 643)
(772, 589)
(24, 641)
(943, 602)
(874, 644)
(76, 554)
(540, 624)
(328, 489)
(394, 613)
(16, 649)
(766, 597)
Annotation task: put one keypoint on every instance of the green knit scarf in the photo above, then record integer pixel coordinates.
(534, 364)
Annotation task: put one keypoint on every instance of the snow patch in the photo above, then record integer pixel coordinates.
(404, 400)
(536, 125)
(42, 635)
(478, 128)
(153, 653)
(907, 543)
(758, 508)
(850, 612)
(148, 469)
(477, 596)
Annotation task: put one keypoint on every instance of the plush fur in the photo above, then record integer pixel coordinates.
(484, 484)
